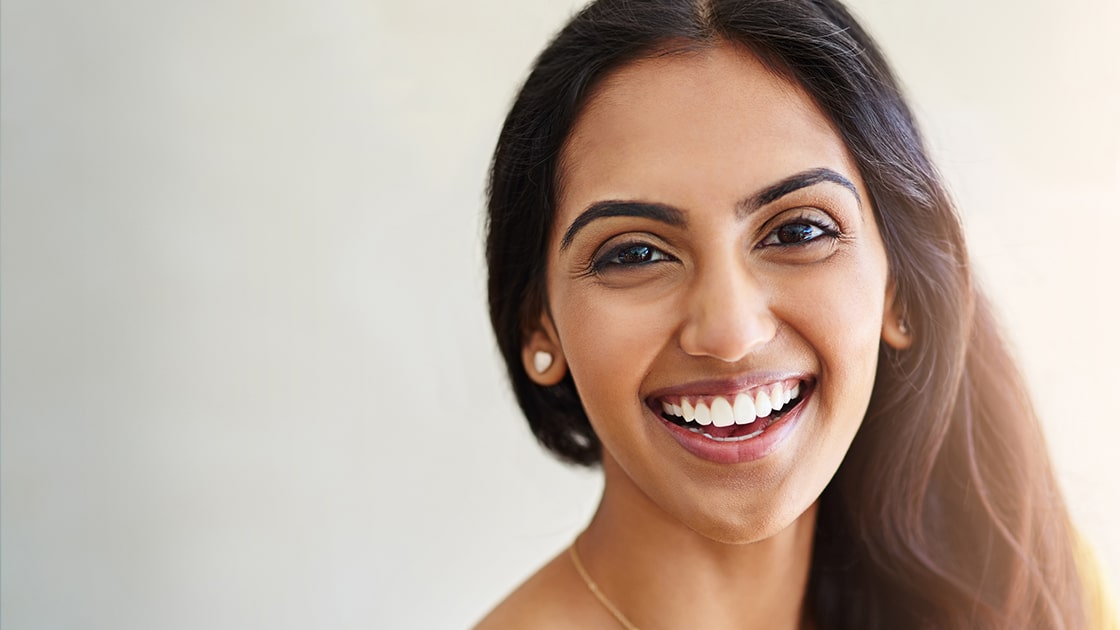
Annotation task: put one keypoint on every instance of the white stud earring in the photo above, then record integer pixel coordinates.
(902, 327)
(542, 361)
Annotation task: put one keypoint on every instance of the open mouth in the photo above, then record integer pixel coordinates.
(737, 417)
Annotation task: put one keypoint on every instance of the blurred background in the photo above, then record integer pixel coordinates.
(247, 378)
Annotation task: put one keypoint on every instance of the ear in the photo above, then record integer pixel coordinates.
(542, 356)
(896, 330)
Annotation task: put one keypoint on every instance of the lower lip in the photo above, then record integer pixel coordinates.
(743, 451)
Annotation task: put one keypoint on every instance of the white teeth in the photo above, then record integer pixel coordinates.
(744, 409)
(722, 415)
(762, 406)
(703, 414)
(687, 412)
(777, 397)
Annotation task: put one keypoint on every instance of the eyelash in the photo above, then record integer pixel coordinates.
(825, 229)
(609, 259)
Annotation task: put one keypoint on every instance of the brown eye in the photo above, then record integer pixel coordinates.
(631, 254)
(794, 233)
(634, 254)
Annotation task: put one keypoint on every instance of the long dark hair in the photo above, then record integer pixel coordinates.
(945, 512)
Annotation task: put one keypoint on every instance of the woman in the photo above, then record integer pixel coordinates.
(722, 267)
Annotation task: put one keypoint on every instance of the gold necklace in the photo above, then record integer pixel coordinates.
(594, 588)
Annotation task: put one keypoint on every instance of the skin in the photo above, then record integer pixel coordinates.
(637, 305)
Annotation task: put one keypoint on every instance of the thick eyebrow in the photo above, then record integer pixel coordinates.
(602, 209)
(793, 183)
(672, 216)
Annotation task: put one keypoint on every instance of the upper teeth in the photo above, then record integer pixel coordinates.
(744, 408)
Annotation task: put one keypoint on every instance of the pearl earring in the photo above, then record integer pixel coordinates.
(902, 327)
(542, 361)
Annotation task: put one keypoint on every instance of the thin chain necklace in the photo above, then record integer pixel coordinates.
(594, 588)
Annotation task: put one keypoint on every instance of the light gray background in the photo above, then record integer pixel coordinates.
(247, 376)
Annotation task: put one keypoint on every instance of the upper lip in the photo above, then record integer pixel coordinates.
(726, 386)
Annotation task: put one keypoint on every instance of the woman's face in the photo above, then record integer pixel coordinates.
(714, 254)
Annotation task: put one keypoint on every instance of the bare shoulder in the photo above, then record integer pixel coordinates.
(554, 597)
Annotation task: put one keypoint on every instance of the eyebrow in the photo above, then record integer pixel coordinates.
(793, 183)
(674, 217)
(603, 209)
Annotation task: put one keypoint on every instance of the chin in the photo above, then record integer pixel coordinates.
(748, 528)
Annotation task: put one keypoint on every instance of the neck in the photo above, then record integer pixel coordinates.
(661, 574)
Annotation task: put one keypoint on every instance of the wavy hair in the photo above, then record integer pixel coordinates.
(971, 530)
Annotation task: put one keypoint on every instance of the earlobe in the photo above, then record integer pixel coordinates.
(542, 357)
(896, 330)
(896, 333)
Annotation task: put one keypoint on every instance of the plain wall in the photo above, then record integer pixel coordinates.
(247, 378)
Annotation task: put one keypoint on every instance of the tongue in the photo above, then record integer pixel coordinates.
(737, 430)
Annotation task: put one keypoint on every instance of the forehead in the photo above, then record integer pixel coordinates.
(700, 127)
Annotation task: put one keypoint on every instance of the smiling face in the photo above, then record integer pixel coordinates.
(714, 254)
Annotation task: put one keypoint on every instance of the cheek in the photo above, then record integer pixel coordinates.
(842, 316)
(839, 314)
(610, 344)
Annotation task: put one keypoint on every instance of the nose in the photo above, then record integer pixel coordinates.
(728, 314)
